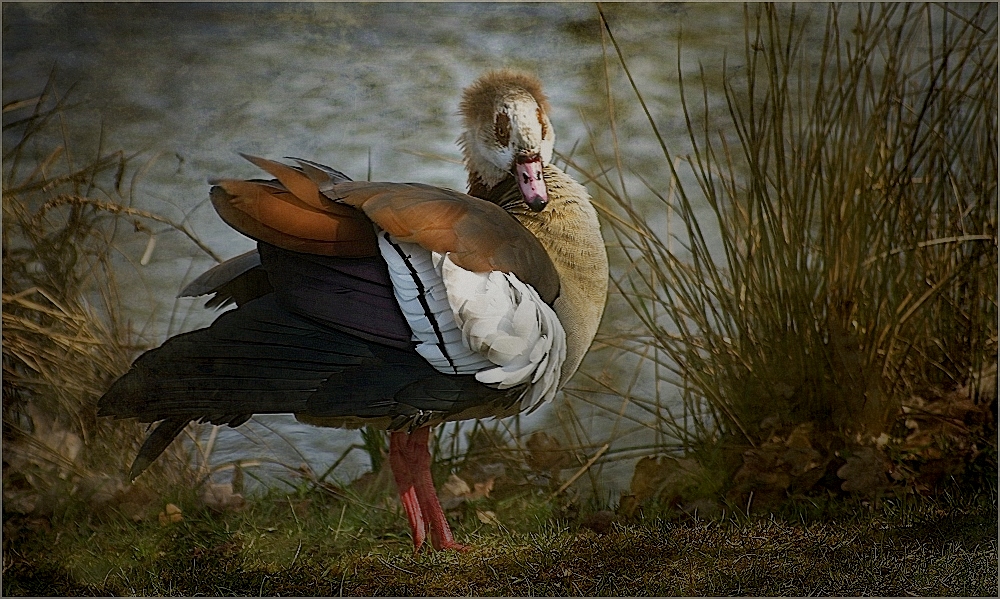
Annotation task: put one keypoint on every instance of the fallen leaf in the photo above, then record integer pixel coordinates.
(646, 478)
(455, 487)
(170, 515)
(49, 446)
(545, 453)
(702, 507)
(220, 497)
(453, 492)
(763, 476)
(101, 489)
(672, 480)
(865, 471)
(21, 503)
(374, 484)
(599, 522)
(628, 506)
(801, 456)
(137, 502)
(481, 490)
(299, 508)
(487, 517)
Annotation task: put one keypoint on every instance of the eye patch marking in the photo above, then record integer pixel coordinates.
(501, 129)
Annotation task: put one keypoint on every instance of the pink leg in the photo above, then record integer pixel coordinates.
(413, 457)
(407, 493)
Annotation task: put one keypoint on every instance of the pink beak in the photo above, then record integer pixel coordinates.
(528, 171)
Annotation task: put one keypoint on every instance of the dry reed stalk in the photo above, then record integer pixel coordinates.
(847, 259)
(64, 339)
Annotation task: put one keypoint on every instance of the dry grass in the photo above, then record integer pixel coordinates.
(64, 338)
(826, 276)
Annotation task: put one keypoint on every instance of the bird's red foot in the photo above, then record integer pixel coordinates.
(411, 467)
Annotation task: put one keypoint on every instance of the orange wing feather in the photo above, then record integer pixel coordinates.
(244, 223)
(300, 186)
(276, 216)
(295, 215)
(480, 235)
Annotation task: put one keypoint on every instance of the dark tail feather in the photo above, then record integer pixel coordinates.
(156, 442)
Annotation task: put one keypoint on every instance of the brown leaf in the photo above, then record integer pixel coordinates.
(101, 489)
(137, 501)
(932, 472)
(481, 490)
(801, 456)
(24, 502)
(170, 515)
(599, 522)
(50, 444)
(487, 517)
(545, 453)
(456, 490)
(374, 484)
(220, 497)
(667, 478)
(764, 476)
(455, 487)
(453, 492)
(702, 508)
(628, 507)
(922, 443)
(299, 507)
(646, 478)
(864, 471)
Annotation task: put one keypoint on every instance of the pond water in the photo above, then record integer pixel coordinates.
(369, 89)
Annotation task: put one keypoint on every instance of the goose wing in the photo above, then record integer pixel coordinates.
(308, 210)
(474, 285)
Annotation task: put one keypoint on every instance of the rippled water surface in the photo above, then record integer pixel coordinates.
(368, 89)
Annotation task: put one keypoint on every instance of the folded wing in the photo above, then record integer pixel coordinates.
(308, 210)
(490, 315)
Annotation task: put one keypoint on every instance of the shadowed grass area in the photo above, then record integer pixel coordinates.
(329, 546)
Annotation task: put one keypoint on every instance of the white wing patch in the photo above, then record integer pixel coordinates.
(422, 297)
(488, 324)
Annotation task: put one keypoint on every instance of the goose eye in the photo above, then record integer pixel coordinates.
(541, 121)
(501, 129)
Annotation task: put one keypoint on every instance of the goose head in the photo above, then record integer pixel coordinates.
(507, 133)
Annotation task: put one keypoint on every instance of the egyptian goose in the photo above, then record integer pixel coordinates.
(396, 305)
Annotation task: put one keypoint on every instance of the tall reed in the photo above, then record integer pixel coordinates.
(831, 249)
(64, 336)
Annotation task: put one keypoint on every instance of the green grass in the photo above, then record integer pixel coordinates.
(330, 546)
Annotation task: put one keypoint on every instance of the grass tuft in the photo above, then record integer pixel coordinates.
(64, 337)
(824, 289)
